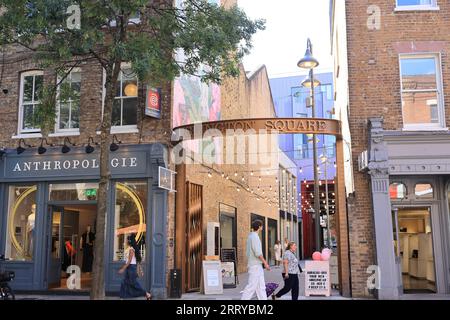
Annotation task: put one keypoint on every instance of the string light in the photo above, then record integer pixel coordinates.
(259, 178)
(238, 189)
(251, 173)
(209, 174)
(223, 174)
(235, 174)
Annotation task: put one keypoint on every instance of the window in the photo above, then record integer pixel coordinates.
(421, 87)
(31, 83)
(21, 226)
(397, 191)
(423, 191)
(124, 113)
(416, 4)
(129, 216)
(301, 146)
(68, 111)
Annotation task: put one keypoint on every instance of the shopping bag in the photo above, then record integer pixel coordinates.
(270, 288)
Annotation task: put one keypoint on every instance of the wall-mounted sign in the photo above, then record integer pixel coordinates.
(153, 103)
(166, 179)
(74, 164)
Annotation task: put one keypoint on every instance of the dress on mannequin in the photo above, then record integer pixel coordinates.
(87, 244)
(30, 231)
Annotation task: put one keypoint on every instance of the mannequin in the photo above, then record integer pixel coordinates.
(30, 231)
(87, 245)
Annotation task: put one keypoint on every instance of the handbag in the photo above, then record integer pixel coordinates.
(140, 270)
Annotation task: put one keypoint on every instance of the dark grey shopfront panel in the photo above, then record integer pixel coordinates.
(130, 162)
(158, 251)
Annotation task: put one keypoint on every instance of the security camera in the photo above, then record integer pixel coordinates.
(5, 91)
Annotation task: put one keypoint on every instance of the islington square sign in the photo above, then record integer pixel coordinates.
(73, 165)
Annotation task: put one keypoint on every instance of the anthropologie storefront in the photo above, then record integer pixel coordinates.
(48, 216)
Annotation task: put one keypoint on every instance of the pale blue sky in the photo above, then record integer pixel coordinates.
(288, 25)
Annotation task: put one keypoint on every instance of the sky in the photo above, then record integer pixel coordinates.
(282, 44)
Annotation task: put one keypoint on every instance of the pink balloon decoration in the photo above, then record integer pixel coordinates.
(317, 256)
(326, 256)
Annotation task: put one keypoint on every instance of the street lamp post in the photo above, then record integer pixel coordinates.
(325, 162)
(309, 62)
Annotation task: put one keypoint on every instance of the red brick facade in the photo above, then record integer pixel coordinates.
(374, 88)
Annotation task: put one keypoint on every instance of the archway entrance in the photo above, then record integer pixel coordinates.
(312, 126)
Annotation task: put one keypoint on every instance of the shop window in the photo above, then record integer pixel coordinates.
(424, 191)
(73, 192)
(129, 216)
(397, 191)
(21, 225)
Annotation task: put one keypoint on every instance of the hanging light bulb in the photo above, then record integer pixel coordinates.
(251, 173)
(238, 189)
(243, 178)
(235, 174)
(223, 174)
(209, 174)
(259, 178)
(228, 177)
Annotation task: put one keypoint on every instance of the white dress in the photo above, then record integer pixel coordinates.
(277, 249)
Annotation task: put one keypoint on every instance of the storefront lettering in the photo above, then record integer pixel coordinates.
(125, 162)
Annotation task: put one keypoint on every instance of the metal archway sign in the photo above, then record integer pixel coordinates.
(315, 126)
(280, 125)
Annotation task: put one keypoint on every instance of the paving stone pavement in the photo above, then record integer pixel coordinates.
(235, 293)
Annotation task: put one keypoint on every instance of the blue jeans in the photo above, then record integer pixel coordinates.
(130, 287)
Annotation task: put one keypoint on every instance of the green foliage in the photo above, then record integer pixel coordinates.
(205, 34)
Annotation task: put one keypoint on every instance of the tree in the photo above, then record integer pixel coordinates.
(61, 34)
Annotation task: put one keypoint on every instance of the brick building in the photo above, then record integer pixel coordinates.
(48, 194)
(227, 195)
(391, 94)
(48, 190)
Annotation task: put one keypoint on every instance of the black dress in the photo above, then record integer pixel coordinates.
(88, 251)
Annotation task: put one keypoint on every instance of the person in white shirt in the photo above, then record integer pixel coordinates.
(256, 283)
(130, 287)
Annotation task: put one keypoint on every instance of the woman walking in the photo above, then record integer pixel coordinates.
(277, 249)
(130, 287)
(290, 274)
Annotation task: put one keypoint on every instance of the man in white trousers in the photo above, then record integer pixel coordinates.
(255, 258)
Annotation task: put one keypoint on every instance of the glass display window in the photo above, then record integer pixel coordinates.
(129, 216)
(21, 225)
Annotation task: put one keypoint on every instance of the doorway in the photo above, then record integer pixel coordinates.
(228, 226)
(70, 242)
(273, 238)
(413, 240)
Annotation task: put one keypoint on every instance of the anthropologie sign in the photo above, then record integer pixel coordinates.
(75, 164)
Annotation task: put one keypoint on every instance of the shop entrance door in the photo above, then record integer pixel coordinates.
(413, 241)
(62, 242)
(54, 246)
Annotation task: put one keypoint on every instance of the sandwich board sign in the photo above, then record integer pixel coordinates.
(212, 277)
(317, 278)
